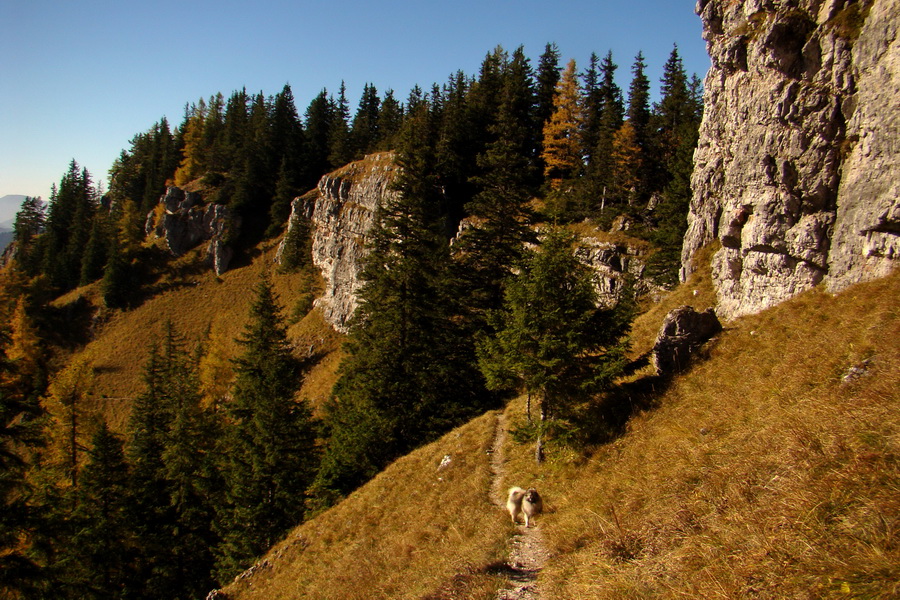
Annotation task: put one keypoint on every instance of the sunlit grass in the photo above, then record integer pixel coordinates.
(418, 530)
(760, 473)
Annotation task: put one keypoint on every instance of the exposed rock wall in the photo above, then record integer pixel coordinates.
(343, 208)
(342, 211)
(186, 222)
(796, 169)
(616, 264)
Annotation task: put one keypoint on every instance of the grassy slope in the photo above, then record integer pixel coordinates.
(416, 531)
(758, 473)
(195, 300)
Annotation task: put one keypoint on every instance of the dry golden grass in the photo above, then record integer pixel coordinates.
(195, 300)
(761, 474)
(415, 531)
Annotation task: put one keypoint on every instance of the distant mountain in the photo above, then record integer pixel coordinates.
(9, 206)
(5, 238)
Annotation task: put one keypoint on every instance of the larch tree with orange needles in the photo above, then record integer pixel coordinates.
(563, 151)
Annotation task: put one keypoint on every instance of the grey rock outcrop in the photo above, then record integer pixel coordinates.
(796, 172)
(683, 331)
(186, 222)
(614, 264)
(342, 211)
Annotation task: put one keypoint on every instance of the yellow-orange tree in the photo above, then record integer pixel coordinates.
(563, 152)
(627, 162)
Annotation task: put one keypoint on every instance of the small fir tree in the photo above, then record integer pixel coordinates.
(551, 338)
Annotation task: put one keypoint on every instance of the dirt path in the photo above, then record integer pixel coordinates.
(527, 552)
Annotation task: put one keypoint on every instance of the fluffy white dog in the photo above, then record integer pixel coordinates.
(528, 502)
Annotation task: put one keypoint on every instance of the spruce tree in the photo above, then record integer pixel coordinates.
(548, 75)
(638, 113)
(173, 481)
(639, 100)
(487, 252)
(611, 111)
(103, 546)
(269, 445)
(19, 573)
(552, 340)
(29, 222)
(390, 118)
(364, 131)
(339, 149)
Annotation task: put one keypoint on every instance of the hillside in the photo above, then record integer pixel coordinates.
(203, 307)
(769, 470)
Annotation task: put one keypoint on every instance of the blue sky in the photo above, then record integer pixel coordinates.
(79, 79)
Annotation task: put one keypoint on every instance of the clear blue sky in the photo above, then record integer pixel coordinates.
(79, 79)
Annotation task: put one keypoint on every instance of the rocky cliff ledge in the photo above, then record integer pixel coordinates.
(341, 211)
(798, 168)
(183, 221)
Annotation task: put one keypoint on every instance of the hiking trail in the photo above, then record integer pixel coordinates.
(527, 551)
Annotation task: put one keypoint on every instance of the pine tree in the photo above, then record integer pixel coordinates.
(173, 481)
(213, 140)
(30, 221)
(68, 226)
(390, 118)
(26, 355)
(193, 159)
(610, 119)
(69, 415)
(548, 75)
(97, 249)
(285, 191)
(563, 150)
(364, 132)
(339, 149)
(118, 283)
(103, 549)
(320, 123)
(487, 252)
(19, 574)
(551, 338)
(269, 446)
(639, 100)
(627, 165)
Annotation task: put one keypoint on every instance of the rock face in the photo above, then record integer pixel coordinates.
(682, 332)
(796, 172)
(341, 212)
(186, 222)
(614, 263)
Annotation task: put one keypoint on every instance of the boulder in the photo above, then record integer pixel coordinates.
(683, 331)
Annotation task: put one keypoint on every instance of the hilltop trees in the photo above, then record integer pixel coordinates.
(467, 295)
(407, 377)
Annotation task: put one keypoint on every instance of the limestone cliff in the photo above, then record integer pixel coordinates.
(796, 172)
(342, 210)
